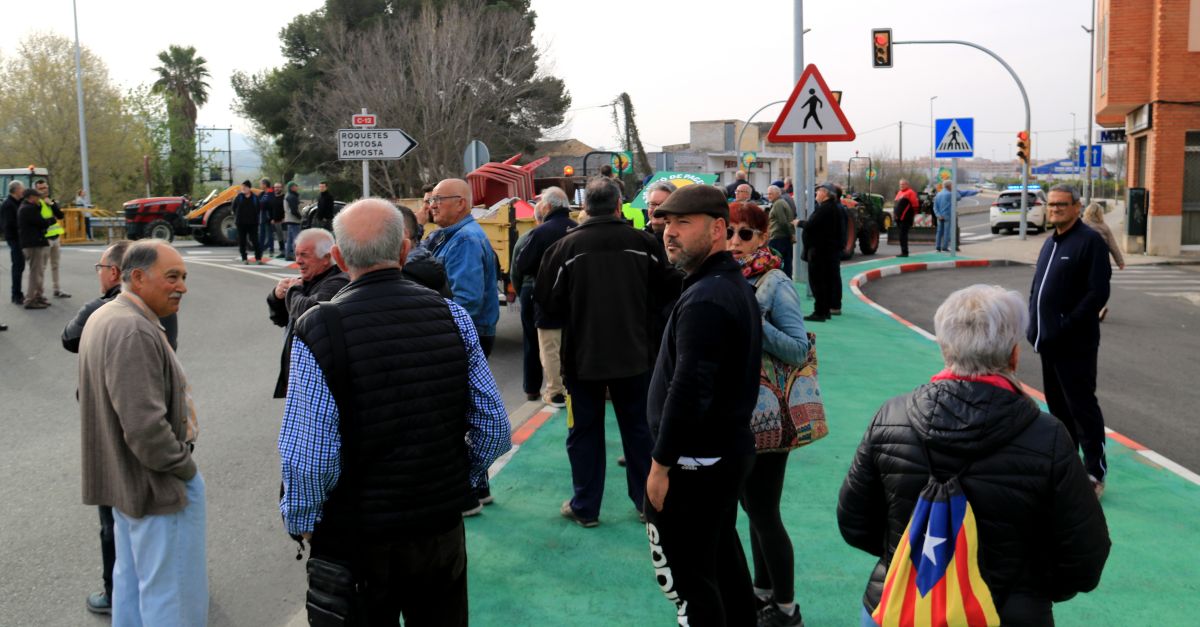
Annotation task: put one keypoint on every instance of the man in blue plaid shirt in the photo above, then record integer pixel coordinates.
(376, 477)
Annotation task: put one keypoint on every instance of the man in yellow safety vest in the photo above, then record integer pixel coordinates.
(53, 234)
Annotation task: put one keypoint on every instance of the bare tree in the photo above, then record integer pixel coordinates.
(454, 73)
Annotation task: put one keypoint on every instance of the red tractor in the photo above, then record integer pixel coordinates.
(162, 217)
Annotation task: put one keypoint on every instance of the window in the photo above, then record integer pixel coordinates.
(729, 136)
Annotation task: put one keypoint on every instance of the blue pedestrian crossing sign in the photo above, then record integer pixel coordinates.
(955, 138)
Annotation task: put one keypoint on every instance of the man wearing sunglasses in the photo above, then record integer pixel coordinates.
(1070, 286)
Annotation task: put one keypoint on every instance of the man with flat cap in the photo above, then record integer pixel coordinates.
(704, 388)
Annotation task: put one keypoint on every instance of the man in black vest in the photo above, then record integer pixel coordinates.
(319, 280)
(704, 389)
(375, 471)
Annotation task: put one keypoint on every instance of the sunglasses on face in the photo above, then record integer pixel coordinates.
(746, 234)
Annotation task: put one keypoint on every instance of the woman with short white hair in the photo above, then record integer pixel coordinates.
(1041, 535)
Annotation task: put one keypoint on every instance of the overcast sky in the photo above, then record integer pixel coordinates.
(687, 60)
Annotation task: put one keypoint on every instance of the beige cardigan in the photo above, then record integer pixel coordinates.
(1107, 234)
(134, 410)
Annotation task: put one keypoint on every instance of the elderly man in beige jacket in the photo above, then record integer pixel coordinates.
(139, 426)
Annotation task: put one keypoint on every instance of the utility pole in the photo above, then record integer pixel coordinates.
(902, 146)
(932, 141)
(83, 154)
(1091, 96)
(801, 186)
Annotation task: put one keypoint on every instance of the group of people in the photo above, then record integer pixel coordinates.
(271, 215)
(392, 416)
(30, 219)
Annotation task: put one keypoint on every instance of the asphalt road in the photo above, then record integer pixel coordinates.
(51, 556)
(1149, 342)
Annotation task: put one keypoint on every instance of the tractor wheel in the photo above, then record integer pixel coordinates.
(201, 237)
(995, 230)
(161, 229)
(222, 229)
(868, 240)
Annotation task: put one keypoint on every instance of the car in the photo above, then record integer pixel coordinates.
(308, 213)
(1006, 211)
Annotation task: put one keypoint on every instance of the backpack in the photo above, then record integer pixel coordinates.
(934, 576)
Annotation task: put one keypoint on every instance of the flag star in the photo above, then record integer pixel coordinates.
(931, 542)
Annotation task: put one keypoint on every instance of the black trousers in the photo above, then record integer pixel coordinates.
(531, 358)
(825, 281)
(585, 439)
(248, 238)
(770, 545)
(108, 547)
(904, 227)
(694, 546)
(784, 246)
(423, 579)
(1069, 379)
(17, 259)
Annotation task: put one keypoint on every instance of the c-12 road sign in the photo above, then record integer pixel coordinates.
(361, 144)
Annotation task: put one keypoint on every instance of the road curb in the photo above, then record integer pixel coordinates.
(863, 278)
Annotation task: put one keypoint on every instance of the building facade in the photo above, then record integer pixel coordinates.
(713, 148)
(1148, 81)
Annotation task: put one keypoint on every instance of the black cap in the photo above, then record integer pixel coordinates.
(696, 198)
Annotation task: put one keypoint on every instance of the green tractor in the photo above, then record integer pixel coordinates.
(865, 220)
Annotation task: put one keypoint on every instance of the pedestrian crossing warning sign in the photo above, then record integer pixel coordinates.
(811, 114)
(955, 138)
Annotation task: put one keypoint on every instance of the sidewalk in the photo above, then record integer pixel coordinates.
(530, 566)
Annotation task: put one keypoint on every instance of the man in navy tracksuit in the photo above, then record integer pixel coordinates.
(1070, 286)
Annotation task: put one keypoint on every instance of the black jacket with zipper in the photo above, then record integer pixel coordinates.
(1070, 287)
(1042, 534)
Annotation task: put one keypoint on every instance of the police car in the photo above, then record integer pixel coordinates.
(1006, 211)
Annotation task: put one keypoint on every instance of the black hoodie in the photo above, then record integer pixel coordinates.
(1042, 535)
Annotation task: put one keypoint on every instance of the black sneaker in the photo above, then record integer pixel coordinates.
(773, 616)
(558, 400)
(835, 312)
(531, 396)
(99, 603)
(568, 512)
(471, 507)
(815, 318)
(621, 461)
(483, 495)
(3, 327)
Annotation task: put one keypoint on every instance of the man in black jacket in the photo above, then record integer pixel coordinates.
(1070, 287)
(823, 249)
(554, 227)
(320, 279)
(1041, 534)
(108, 271)
(31, 230)
(245, 215)
(422, 267)
(8, 218)
(704, 389)
(266, 234)
(604, 280)
(325, 207)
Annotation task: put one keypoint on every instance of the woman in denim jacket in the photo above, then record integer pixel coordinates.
(784, 337)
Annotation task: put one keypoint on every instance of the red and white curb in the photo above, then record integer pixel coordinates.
(861, 279)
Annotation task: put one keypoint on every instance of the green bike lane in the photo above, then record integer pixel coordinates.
(529, 566)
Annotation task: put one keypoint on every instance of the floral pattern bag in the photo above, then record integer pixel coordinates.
(790, 412)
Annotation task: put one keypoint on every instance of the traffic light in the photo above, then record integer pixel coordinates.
(1023, 146)
(881, 42)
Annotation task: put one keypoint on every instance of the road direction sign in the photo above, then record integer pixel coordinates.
(812, 113)
(1081, 161)
(355, 144)
(955, 138)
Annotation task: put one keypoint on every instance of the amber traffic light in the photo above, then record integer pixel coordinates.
(568, 170)
(881, 43)
(1023, 146)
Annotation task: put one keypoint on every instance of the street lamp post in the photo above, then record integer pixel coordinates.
(932, 141)
(1091, 96)
(1074, 133)
(83, 154)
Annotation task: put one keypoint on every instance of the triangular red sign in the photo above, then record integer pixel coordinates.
(811, 114)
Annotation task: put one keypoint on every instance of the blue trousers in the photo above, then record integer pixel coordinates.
(783, 245)
(943, 234)
(161, 577)
(585, 440)
(266, 235)
(293, 229)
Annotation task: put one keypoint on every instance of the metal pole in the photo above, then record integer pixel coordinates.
(366, 172)
(1091, 97)
(229, 152)
(801, 187)
(954, 208)
(83, 154)
(738, 149)
(901, 124)
(1024, 97)
(932, 146)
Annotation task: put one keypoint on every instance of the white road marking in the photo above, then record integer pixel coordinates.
(273, 277)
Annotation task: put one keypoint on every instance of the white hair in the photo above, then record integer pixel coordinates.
(774, 188)
(383, 245)
(322, 240)
(556, 198)
(977, 328)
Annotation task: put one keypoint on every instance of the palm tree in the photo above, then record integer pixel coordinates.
(181, 78)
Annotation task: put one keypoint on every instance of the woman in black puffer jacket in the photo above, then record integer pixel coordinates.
(1042, 534)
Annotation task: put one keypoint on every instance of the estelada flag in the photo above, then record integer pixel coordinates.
(933, 578)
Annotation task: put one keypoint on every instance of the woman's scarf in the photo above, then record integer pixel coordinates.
(760, 262)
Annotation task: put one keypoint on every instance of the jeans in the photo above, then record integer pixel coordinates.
(266, 236)
(161, 577)
(17, 259)
(585, 439)
(532, 378)
(942, 241)
(550, 350)
(422, 578)
(694, 547)
(783, 245)
(293, 229)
